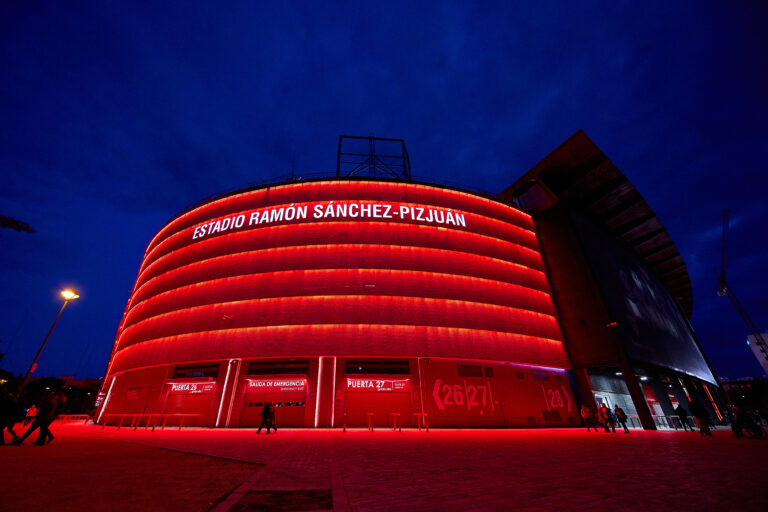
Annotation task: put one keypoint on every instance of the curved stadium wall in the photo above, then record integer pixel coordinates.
(342, 270)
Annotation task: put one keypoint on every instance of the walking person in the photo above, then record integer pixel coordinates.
(272, 419)
(683, 415)
(45, 415)
(586, 415)
(621, 417)
(702, 417)
(266, 417)
(10, 413)
(45, 432)
(607, 418)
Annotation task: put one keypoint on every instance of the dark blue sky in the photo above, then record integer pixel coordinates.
(114, 117)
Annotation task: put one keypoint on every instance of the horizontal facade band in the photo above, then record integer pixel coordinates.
(329, 233)
(343, 340)
(342, 281)
(341, 309)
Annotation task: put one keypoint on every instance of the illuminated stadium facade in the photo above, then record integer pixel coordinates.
(357, 301)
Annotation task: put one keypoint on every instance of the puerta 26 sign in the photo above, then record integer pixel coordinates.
(191, 388)
(347, 210)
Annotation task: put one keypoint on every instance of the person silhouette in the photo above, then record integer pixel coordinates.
(586, 415)
(267, 413)
(10, 413)
(621, 417)
(46, 413)
(605, 415)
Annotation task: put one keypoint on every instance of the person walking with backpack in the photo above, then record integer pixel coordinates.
(621, 417)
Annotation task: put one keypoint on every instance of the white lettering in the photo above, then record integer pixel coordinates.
(276, 215)
(332, 210)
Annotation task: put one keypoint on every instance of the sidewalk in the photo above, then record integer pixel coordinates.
(550, 469)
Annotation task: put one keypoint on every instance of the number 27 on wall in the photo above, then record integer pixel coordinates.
(471, 395)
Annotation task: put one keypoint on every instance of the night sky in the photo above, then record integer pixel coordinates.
(115, 117)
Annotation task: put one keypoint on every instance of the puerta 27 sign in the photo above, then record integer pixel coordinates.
(345, 210)
(378, 385)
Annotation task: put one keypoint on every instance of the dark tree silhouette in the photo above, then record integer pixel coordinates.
(11, 223)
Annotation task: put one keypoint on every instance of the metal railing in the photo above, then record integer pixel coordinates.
(672, 422)
(421, 421)
(152, 420)
(73, 417)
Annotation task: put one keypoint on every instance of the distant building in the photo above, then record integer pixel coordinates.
(352, 299)
(749, 393)
(760, 352)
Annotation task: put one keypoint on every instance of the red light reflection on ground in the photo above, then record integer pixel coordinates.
(447, 469)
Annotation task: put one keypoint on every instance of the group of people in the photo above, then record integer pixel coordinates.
(605, 417)
(699, 412)
(608, 418)
(42, 415)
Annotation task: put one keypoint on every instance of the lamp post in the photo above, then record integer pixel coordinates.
(68, 296)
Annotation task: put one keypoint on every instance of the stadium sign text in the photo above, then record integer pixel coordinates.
(361, 210)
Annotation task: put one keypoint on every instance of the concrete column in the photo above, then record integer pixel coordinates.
(638, 397)
(324, 392)
(228, 388)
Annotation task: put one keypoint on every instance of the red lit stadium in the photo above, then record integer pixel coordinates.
(347, 302)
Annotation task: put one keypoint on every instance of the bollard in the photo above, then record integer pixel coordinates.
(419, 416)
(396, 421)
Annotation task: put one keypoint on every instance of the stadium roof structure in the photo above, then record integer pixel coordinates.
(579, 173)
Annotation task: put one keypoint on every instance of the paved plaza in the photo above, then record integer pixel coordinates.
(86, 468)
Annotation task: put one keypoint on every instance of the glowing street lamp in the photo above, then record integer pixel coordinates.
(68, 296)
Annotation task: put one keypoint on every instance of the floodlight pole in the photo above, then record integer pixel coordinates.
(40, 350)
